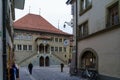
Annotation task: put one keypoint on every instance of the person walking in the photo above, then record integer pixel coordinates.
(30, 67)
(62, 65)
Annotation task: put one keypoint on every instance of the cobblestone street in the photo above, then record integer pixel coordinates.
(46, 73)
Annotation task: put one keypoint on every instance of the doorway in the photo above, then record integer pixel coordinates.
(47, 61)
(41, 61)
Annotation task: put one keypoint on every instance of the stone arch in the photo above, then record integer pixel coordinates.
(47, 61)
(89, 59)
(41, 61)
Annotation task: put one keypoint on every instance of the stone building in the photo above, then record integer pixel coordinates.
(96, 32)
(39, 42)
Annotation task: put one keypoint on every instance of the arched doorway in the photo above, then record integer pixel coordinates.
(88, 60)
(41, 61)
(47, 61)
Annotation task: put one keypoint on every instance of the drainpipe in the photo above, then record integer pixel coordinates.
(4, 2)
(76, 54)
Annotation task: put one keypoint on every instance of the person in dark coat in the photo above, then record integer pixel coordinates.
(13, 72)
(30, 67)
(62, 65)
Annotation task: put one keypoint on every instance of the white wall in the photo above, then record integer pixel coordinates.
(107, 47)
(1, 64)
(96, 16)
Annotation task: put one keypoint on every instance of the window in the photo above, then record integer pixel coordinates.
(52, 48)
(85, 5)
(60, 49)
(113, 14)
(14, 47)
(56, 49)
(83, 29)
(30, 47)
(19, 47)
(56, 39)
(64, 49)
(60, 40)
(52, 39)
(24, 47)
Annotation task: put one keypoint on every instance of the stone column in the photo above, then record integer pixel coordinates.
(38, 49)
(44, 48)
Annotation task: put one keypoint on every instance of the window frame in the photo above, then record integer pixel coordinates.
(65, 49)
(82, 28)
(19, 47)
(56, 39)
(87, 7)
(52, 49)
(25, 47)
(60, 49)
(60, 40)
(56, 49)
(109, 12)
(30, 47)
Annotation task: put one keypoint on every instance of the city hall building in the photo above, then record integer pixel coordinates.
(39, 42)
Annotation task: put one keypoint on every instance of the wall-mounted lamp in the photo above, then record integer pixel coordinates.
(68, 23)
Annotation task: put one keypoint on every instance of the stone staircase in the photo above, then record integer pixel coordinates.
(54, 59)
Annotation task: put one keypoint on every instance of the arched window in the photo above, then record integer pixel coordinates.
(41, 48)
(47, 48)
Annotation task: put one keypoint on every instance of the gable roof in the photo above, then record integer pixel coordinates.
(36, 23)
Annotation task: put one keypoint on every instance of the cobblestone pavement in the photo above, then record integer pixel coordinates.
(46, 73)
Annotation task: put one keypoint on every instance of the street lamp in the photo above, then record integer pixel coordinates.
(68, 23)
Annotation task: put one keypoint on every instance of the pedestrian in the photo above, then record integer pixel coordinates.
(62, 65)
(13, 72)
(30, 67)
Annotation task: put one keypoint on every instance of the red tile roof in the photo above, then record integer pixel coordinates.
(36, 23)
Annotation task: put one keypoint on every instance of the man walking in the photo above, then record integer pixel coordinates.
(30, 66)
(62, 65)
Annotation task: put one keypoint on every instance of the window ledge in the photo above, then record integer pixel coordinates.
(100, 32)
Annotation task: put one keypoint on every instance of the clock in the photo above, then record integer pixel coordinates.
(66, 42)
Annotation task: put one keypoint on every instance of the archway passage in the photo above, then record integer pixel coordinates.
(41, 61)
(47, 61)
(89, 60)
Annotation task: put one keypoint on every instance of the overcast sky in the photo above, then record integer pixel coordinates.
(54, 11)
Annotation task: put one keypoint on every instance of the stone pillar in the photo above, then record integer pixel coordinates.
(38, 49)
(50, 49)
(44, 48)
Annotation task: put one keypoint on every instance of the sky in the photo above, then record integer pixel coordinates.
(55, 12)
